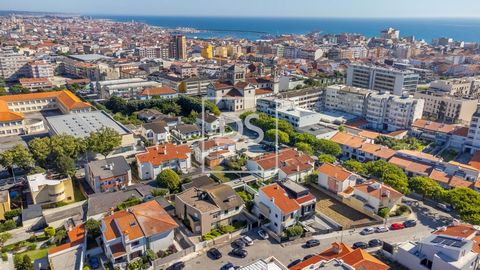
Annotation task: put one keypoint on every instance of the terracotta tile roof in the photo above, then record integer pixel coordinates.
(263, 91)
(411, 165)
(10, 116)
(461, 131)
(153, 219)
(280, 197)
(219, 141)
(335, 171)
(33, 80)
(76, 237)
(285, 157)
(67, 98)
(117, 250)
(157, 91)
(296, 168)
(159, 154)
(420, 155)
(440, 176)
(307, 198)
(378, 190)
(349, 140)
(369, 134)
(378, 150)
(360, 259)
(434, 126)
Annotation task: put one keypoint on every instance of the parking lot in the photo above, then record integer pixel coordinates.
(339, 212)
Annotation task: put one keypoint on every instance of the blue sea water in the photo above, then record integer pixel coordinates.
(254, 28)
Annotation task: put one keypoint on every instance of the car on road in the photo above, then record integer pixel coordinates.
(308, 257)
(248, 241)
(263, 234)
(177, 266)
(228, 266)
(93, 262)
(312, 243)
(445, 207)
(214, 253)
(238, 252)
(375, 243)
(396, 226)
(292, 264)
(238, 243)
(410, 223)
(381, 229)
(367, 231)
(361, 245)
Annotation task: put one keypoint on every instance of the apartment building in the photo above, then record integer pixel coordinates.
(41, 69)
(13, 65)
(442, 106)
(310, 99)
(178, 47)
(208, 207)
(383, 111)
(49, 188)
(128, 234)
(382, 79)
(36, 84)
(153, 52)
(462, 87)
(108, 175)
(194, 86)
(164, 156)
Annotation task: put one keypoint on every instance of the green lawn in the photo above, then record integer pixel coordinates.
(77, 193)
(36, 254)
(448, 155)
(223, 177)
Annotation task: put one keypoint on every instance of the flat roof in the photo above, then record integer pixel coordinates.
(80, 125)
(317, 129)
(88, 57)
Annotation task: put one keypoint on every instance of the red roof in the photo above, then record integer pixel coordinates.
(335, 171)
(158, 91)
(159, 154)
(280, 198)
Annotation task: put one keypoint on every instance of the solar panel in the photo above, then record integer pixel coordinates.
(437, 240)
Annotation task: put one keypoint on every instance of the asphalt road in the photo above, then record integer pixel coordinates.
(429, 219)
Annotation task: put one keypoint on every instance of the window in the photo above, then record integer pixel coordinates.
(135, 243)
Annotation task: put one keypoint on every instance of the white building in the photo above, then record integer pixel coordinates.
(160, 157)
(382, 79)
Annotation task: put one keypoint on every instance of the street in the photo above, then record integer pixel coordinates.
(429, 219)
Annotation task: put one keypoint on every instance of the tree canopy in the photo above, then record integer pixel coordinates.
(168, 179)
(104, 141)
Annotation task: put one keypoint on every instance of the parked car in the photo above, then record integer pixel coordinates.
(410, 223)
(214, 253)
(238, 252)
(93, 262)
(367, 231)
(228, 266)
(292, 264)
(263, 234)
(248, 241)
(361, 245)
(444, 207)
(381, 229)
(312, 243)
(238, 243)
(375, 243)
(308, 257)
(397, 226)
(177, 266)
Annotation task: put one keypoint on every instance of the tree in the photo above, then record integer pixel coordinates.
(466, 203)
(4, 237)
(389, 174)
(272, 134)
(65, 165)
(17, 156)
(67, 145)
(341, 128)
(104, 141)
(41, 149)
(3, 92)
(169, 179)
(93, 227)
(18, 89)
(59, 236)
(355, 166)
(384, 212)
(49, 232)
(326, 158)
(329, 147)
(425, 186)
(304, 147)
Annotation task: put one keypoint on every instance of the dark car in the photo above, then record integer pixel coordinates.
(238, 243)
(214, 253)
(375, 243)
(292, 264)
(238, 252)
(93, 262)
(312, 243)
(308, 257)
(177, 266)
(410, 223)
(361, 245)
(227, 266)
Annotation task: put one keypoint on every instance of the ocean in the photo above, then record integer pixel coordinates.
(254, 28)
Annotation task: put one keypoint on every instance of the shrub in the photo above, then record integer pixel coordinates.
(246, 197)
(151, 255)
(129, 202)
(4, 257)
(159, 192)
(13, 213)
(383, 212)
(32, 246)
(401, 210)
(294, 231)
(49, 232)
(227, 229)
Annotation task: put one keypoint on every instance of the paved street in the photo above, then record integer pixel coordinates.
(428, 220)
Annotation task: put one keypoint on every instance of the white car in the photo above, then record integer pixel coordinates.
(248, 241)
(367, 231)
(263, 234)
(381, 229)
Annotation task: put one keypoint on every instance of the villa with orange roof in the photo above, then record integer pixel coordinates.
(288, 164)
(164, 156)
(14, 107)
(341, 256)
(128, 234)
(273, 203)
(71, 254)
(373, 196)
(162, 92)
(335, 178)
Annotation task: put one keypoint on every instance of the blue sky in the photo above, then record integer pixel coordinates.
(256, 8)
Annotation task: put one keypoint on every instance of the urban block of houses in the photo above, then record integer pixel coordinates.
(14, 107)
(341, 256)
(107, 175)
(208, 207)
(157, 92)
(373, 196)
(47, 188)
(212, 152)
(127, 234)
(164, 156)
(71, 254)
(287, 164)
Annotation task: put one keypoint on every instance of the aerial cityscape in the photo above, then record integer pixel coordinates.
(253, 135)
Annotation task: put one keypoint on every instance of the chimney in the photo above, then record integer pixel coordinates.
(179, 120)
(298, 168)
(337, 249)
